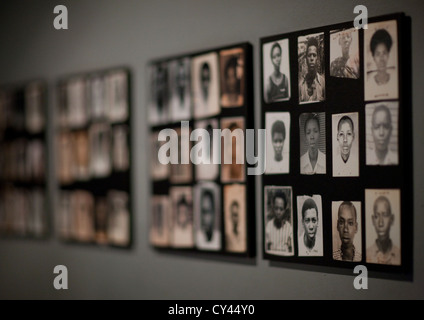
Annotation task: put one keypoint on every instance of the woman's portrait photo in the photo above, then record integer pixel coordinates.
(232, 77)
(344, 53)
(276, 71)
(309, 226)
(277, 126)
(180, 89)
(312, 143)
(381, 61)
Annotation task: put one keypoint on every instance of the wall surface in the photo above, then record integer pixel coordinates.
(109, 33)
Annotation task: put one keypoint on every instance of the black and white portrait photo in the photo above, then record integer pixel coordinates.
(312, 143)
(35, 112)
(382, 212)
(100, 149)
(344, 53)
(182, 172)
(96, 96)
(158, 170)
(205, 85)
(345, 145)
(207, 171)
(120, 147)
(207, 216)
(309, 226)
(119, 222)
(232, 67)
(276, 71)
(159, 221)
(278, 216)
(277, 126)
(381, 61)
(180, 89)
(77, 107)
(235, 219)
(382, 133)
(347, 243)
(181, 235)
(232, 150)
(311, 62)
(159, 94)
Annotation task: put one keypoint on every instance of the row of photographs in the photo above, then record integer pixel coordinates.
(22, 160)
(191, 218)
(23, 212)
(381, 227)
(198, 86)
(380, 52)
(23, 110)
(87, 218)
(381, 140)
(92, 153)
(91, 97)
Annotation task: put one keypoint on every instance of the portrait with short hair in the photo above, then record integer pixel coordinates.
(181, 224)
(81, 153)
(382, 133)
(235, 218)
(182, 172)
(205, 85)
(233, 150)
(207, 171)
(311, 61)
(278, 221)
(207, 216)
(309, 226)
(117, 95)
(159, 221)
(381, 61)
(344, 53)
(312, 143)
(232, 67)
(347, 236)
(277, 126)
(180, 89)
(158, 94)
(383, 226)
(345, 145)
(158, 170)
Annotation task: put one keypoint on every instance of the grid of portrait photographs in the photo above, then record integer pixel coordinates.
(337, 186)
(23, 208)
(199, 107)
(93, 158)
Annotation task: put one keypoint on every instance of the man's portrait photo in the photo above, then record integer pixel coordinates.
(232, 67)
(159, 221)
(232, 150)
(159, 94)
(309, 217)
(235, 218)
(180, 89)
(181, 225)
(344, 54)
(277, 126)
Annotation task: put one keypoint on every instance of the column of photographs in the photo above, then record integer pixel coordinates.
(198, 203)
(23, 211)
(93, 158)
(335, 170)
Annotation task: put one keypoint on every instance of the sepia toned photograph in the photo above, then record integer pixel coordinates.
(100, 219)
(381, 61)
(204, 170)
(345, 145)
(181, 235)
(277, 126)
(232, 66)
(159, 94)
(159, 221)
(278, 221)
(235, 218)
(96, 96)
(207, 216)
(35, 113)
(120, 147)
(180, 89)
(276, 71)
(37, 218)
(83, 215)
(100, 149)
(158, 170)
(81, 154)
(182, 172)
(312, 143)
(117, 95)
(205, 85)
(344, 53)
(119, 220)
(311, 73)
(232, 150)
(382, 133)
(347, 236)
(62, 111)
(65, 216)
(35, 162)
(383, 226)
(65, 157)
(310, 226)
(78, 111)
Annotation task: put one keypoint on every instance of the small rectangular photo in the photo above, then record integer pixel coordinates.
(118, 218)
(35, 113)
(100, 149)
(81, 154)
(101, 216)
(311, 60)
(158, 94)
(64, 215)
(381, 61)
(382, 133)
(344, 53)
(117, 95)
(181, 226)
(277, 126)
(205, 85)
(310, 226)
(120, 147)
(345, 145)
(276, 71)
(158, 171)
(233, 164)
(83, 207)
(78, 112)
(205, 170)
(64, 149)
(159, 221)
(207, 216)
(97, 96)
(182, 172)
(35, 160)
(383, 226)
(278, 221)
(180, 89)
(37, 217)
(312, 143)
(347, 230)
(62, 106)
(232, 65)
(235, 218)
